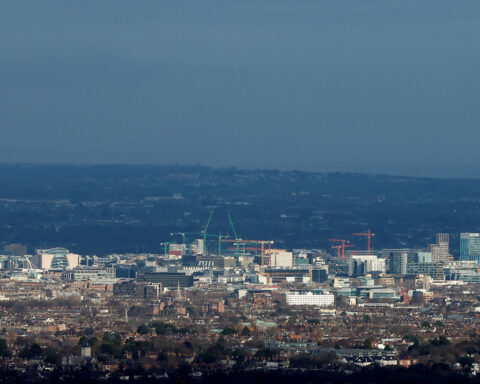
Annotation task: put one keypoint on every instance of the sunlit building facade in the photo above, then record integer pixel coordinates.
(470, 246)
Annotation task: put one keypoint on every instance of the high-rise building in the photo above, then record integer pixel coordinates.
(440, 250)
(470, 246)
(397, 260)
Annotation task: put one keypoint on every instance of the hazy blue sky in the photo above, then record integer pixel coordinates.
(373, 86)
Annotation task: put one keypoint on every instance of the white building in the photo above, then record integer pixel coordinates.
(440, 250)
(197, 247)
(280, 258)
(93, 273)
(176, 250)
(56, 258)
(359, 265)
(341, 282)
(316, 297)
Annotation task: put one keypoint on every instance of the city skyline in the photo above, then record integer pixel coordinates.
(227, 191)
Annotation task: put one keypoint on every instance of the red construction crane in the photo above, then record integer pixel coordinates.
(345, 244)
(338, 248)
(369, 235)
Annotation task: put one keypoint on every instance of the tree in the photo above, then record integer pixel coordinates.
(304, 360)
(92, 341)
(412, 338)
(229, 331)
(367, 344)
(4, 350)
(266, 353)
(31, 351)
(50, 355)
(163, 328)
(143, 330)
(214, 352)
(111, 345)
(441, 340)
(466, 361)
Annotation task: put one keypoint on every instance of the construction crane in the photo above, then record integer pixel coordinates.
(183, 234)
(29, 268)
(233, 226)
(29, 263)
(344, 244)
(338, 248)
(262, 244)
(166, 246)
(205, 233)
(237, 249)
(369, 236)
(257, 249)
(220, 236)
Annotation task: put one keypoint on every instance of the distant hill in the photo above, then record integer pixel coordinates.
(120, 208)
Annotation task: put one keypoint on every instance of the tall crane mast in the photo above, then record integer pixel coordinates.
(220, 237)
(205, 233)
(344, 244)
(369, 236)
(29, 263)
(166, 246)
(338, 248)
(233, 226)
(237, 249)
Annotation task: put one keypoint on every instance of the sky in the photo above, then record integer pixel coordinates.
(375, 86)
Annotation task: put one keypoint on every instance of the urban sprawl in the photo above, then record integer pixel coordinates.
(214, 303)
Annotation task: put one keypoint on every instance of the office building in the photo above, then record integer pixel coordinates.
(470, 246)
(316, 297)
(440, 250)
(84, 273)
(126, 271)
(397, 260)
(279, 275)
(319, 275)
(280, 258)
(434, 270)
(359, 265)
(167, 279)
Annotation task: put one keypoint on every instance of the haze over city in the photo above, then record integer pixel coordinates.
(250, 191)
(371, 86)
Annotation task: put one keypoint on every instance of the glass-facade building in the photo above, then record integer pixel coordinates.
(470, 246)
